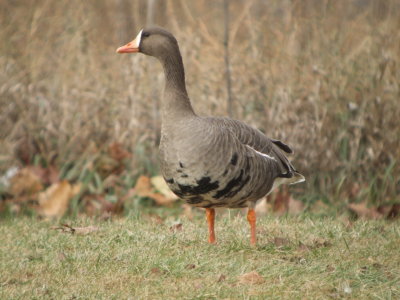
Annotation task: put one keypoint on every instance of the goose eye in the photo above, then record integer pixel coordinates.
(145, 34)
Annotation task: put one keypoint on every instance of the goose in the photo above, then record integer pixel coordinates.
(210, 162)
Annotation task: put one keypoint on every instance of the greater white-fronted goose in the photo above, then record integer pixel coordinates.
(210, 162)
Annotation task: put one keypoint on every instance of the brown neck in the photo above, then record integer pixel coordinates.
(176, 101)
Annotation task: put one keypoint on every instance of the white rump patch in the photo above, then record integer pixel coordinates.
(262, 154)
(297, 178)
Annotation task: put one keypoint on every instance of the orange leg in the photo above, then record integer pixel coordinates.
(251, 217)
(210, 213)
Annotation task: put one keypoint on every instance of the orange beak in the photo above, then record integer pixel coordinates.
(131, 47)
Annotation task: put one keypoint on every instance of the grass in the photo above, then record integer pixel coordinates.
(138, 258)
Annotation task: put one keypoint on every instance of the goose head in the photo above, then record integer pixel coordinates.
(154, 41)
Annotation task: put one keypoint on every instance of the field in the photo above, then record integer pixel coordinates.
(150, 258)
(323, 76)
(82, 211)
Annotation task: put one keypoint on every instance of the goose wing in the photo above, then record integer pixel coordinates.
(260, 144)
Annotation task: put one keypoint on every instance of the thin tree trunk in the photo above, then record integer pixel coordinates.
(227, 60)
(150, 12)
(151, 6)
(125, 22)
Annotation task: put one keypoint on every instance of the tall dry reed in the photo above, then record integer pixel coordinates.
(321, 75)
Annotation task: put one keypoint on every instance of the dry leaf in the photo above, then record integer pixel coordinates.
(190, 266)
(176, 227)
(160, 199)
(157, 271)
(160, 185)
(25, 183)
(97, 205)
(330, 268)
(283, 202)
(362, 211)
(65, 228)
(85, 230)
(143, 186)
(47, 175)
(319, 243)
(389, 211)
(221, 278)
(53, 202)
(117, 152)
(280, 242)
(280, 201)
(303, 247)
(394, 212)
(251, 278)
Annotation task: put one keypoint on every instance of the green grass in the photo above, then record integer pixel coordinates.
(136, 258)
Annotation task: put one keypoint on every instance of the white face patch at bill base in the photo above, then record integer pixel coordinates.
(138, 39)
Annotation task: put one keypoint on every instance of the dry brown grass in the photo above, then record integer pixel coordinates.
(322, 75)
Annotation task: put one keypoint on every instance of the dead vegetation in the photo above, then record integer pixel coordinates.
(322, 75)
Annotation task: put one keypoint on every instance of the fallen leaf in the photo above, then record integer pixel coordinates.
(298, 259)
(157, 271)
(283, 202)
(280, 242)
(221, 278)
(176, 227)
(361, 210)
(303, 247)
(85, 230)
(161, 186)
(280, 201)
(251, 278)
(160, 199)
(53, 202)
(319, 243)
(394, 212)
(143, 186)
(330, 268)
(47, 175)
(65, 228)
(98, 205)
(117, 151)
(25, 183)
(190, 266)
